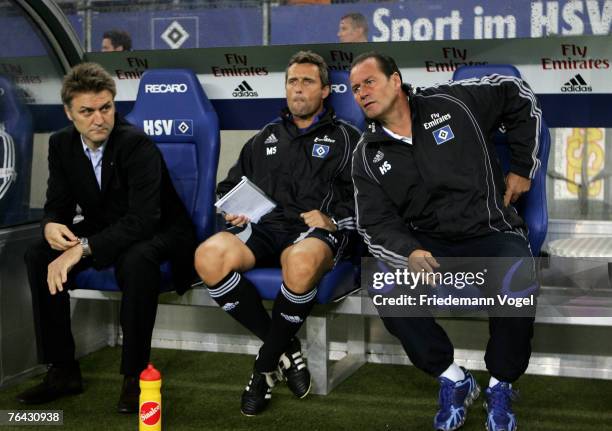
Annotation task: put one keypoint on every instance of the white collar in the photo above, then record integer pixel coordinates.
(86, 148)
(406, 139)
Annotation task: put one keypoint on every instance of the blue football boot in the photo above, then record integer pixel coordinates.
(500, 416)
(454, 399)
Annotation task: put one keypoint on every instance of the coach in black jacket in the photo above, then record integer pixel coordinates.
(302, 162)
(282, 161)
(132, 219)
(428, 184)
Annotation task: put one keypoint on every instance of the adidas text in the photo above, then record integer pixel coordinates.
(244, 90)
(577, 84)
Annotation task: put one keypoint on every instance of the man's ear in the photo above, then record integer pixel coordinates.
(397, 81)
(67, 111)
(326, 91)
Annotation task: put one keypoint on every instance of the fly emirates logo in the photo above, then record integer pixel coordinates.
(436, 119)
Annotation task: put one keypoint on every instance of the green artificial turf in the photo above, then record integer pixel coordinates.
(201, 391)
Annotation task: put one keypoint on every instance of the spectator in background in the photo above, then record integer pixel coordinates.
(116, 40)
(353, 27)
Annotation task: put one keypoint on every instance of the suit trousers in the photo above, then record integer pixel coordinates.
(138, 275)
(509, 347)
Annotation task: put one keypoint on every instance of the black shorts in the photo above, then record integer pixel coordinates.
(267, 243)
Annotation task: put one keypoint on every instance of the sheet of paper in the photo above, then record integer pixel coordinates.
(248, 199)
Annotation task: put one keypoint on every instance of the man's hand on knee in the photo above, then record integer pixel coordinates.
(316, 218)
(59, 236)
(57, 271)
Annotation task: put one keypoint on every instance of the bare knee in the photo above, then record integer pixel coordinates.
(216, 257)
(302, 270)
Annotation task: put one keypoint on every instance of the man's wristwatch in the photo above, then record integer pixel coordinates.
(86, 249)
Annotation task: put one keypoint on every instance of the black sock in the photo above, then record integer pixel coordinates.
(237, 295)
(289, 312)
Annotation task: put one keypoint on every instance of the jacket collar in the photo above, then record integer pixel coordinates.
(374, 131)
(326, 117)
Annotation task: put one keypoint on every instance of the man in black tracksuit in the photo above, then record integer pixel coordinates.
(300, 169)
(428, 184)
(301, 161)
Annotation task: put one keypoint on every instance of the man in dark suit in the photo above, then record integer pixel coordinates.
(132, 219)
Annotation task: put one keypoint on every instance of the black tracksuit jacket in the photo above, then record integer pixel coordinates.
(300, 171)
(448, 183)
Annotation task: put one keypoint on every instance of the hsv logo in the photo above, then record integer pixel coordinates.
(443, 134)
(385, 167)
(339, 88)
(165, 88)
(150, 413)
(319, 150)
(183, 127)
(270, 151)
(177, 127)
(175, 35)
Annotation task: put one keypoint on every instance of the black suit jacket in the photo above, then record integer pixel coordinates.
(135, 202)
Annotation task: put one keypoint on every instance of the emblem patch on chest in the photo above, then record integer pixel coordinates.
(319, 150)
(443, 134)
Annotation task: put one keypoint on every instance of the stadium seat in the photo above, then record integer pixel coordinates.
(342, 100)
(532, 205)
(15, 154)
(172, 108)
